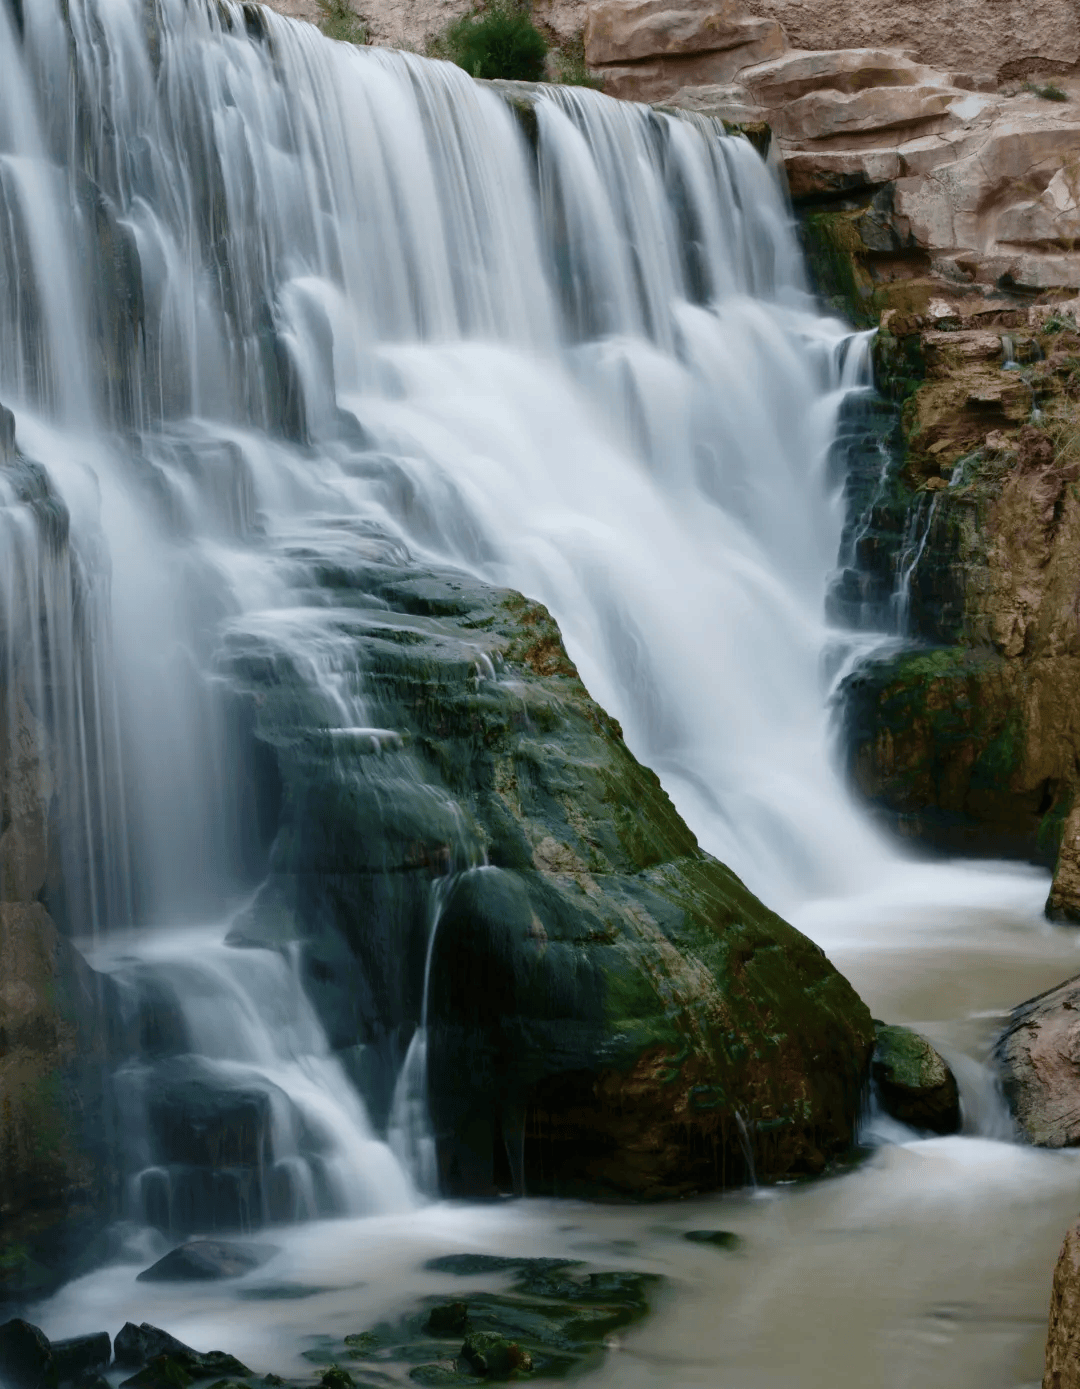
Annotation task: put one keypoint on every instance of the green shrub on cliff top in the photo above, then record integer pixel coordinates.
(500, 41)
(340, 21)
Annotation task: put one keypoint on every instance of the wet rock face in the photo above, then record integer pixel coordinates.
(57, 1180)
(56, 1174)
(28, 1360)
(608, 1005)
(1039, 1057)
(913, 1081)
(1062, 1365)
(166, 1361)
(969, 737)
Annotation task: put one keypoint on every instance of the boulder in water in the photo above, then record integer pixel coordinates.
(1039, 1058)
(81, 1358)
(610, 1009)
(913, 1081)
(26, 1358)
(1062, 1365)
(150, 1346)
(202, 1259)
(161, 1372)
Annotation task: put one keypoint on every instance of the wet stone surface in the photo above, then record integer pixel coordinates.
(551, 1322)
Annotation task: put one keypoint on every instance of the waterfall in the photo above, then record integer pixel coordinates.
(262, 295)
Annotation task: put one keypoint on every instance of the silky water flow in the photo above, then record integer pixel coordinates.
(267, 302)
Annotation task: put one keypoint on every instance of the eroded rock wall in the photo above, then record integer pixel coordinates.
(1001, 39)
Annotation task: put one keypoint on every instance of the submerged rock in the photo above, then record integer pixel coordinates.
(610, 1008)
(201, 1259)
(1039, 1058)
(913, 1081)
(722, 1239)
(1062, 1364)
(552, 1321)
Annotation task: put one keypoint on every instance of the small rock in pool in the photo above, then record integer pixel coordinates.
(203, 1259)
(492, 1356)
(448, 1319)
(26, 1357)
(723, 1239)
(913, 1081)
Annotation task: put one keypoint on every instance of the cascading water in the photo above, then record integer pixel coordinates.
(284, 294)
(268, 304)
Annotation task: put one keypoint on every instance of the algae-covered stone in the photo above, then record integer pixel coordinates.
(610, 1009)
(913, 1081)
(494, 1357)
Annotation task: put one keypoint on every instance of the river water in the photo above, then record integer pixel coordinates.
(587, 368)
(927, 1263)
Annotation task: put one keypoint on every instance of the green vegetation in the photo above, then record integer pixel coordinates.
(570, 68)
(340, 21)
(1049, 91)
(498, 41)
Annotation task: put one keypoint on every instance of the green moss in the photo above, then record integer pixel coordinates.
(833, 250)
(1049, 91)
(1001, 757)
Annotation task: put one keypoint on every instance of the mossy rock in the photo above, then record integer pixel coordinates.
(913, 1081)
(610, 1007)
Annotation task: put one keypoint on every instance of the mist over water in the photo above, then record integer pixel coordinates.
(265, 299)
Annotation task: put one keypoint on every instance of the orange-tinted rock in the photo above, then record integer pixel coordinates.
(1063, 1334)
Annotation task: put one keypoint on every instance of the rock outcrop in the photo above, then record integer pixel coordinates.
(1000, 42)
(1004, 40)
(1062, 1365)
(647, 50)
(972, 739)
(610, 1010)
(924, 173)
(1039, 1057)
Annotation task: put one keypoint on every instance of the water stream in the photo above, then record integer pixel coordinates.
(261, 295)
